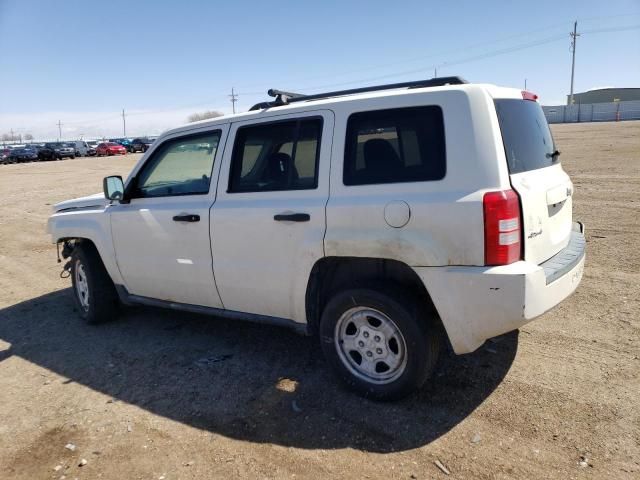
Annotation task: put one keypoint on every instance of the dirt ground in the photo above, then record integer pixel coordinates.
(164, 395)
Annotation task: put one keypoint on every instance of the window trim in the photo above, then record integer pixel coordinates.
(134, 190)
(348, 135)
(298, 120)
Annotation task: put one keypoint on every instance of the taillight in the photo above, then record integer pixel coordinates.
(529, 96)
(502, 227)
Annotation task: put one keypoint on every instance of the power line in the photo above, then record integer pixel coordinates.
(469, 59)
(423, 57)
(234, 95)
(557, 26)
(494, 53)
(613, 29)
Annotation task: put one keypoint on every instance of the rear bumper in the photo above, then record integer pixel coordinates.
(477, 303)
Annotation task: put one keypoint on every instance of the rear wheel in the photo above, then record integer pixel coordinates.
(380, 342)
(94, 294)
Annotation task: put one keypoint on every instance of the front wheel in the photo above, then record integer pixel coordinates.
(380, 342)
(93, 290)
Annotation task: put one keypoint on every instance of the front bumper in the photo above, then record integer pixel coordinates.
(477, 303)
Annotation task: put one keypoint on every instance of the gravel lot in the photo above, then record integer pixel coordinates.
(167, 395)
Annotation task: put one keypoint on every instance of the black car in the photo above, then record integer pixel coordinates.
(23, 155)
(140, 144)
(56, 151)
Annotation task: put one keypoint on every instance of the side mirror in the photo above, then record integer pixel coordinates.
(113, 187)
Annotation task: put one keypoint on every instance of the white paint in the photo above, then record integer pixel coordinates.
(478, 303)
(263, 266)
(397, 213)
(539, 190)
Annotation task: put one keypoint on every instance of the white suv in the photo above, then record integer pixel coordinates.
(384, 220)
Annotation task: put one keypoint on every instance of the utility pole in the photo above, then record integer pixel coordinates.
(59, 130)
(234, 99)
(12, 134)
(435, 72)
(574, 36)
(525, 83)
(124, 125)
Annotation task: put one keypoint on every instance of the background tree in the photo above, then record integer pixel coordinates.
(28, 136)
(195, 117)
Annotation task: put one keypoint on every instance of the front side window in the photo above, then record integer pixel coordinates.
(276, 156)
(396, 145)
(180, 166)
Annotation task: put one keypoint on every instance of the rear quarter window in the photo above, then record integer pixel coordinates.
(527, 139)
(395, 145)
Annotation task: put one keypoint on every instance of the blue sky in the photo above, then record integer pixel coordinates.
(83, 61)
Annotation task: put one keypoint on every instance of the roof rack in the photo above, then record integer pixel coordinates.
(285, 98)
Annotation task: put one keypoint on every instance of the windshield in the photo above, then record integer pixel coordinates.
(111, 144)
(527, 139)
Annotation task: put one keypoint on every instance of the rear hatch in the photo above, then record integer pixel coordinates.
(544, 188)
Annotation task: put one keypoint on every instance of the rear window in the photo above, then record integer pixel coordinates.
(527, 139)
(396, 145)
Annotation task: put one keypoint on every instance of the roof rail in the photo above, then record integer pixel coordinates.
(285, 98)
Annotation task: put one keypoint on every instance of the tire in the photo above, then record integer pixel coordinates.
(391, 328)
(94, 294)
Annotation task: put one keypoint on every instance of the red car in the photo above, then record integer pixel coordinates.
(110, 149)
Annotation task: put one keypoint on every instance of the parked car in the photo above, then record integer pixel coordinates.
(380, 222)
(80, 146)
(91, 148)
(56, 151)
(4, 154)
(140, 144)
(26, 154)
(122, 141)
(110, 148)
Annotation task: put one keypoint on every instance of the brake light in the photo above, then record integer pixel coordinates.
(529, 96)
(502, 227)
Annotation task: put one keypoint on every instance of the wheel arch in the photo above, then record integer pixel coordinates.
(331, 274)
(93, 232)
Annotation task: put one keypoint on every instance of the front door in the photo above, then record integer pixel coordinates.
(161, 237)
(268, 222)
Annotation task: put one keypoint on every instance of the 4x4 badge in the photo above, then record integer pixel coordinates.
(535, 234)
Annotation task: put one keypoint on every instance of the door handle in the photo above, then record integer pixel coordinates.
(292, 217)
(187, 218)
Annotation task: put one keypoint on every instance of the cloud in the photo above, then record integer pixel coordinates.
(43, 126)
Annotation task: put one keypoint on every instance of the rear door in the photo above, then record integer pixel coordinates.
(544, 188)
(268, 221)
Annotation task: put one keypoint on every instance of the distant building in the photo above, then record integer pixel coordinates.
(606, 95)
